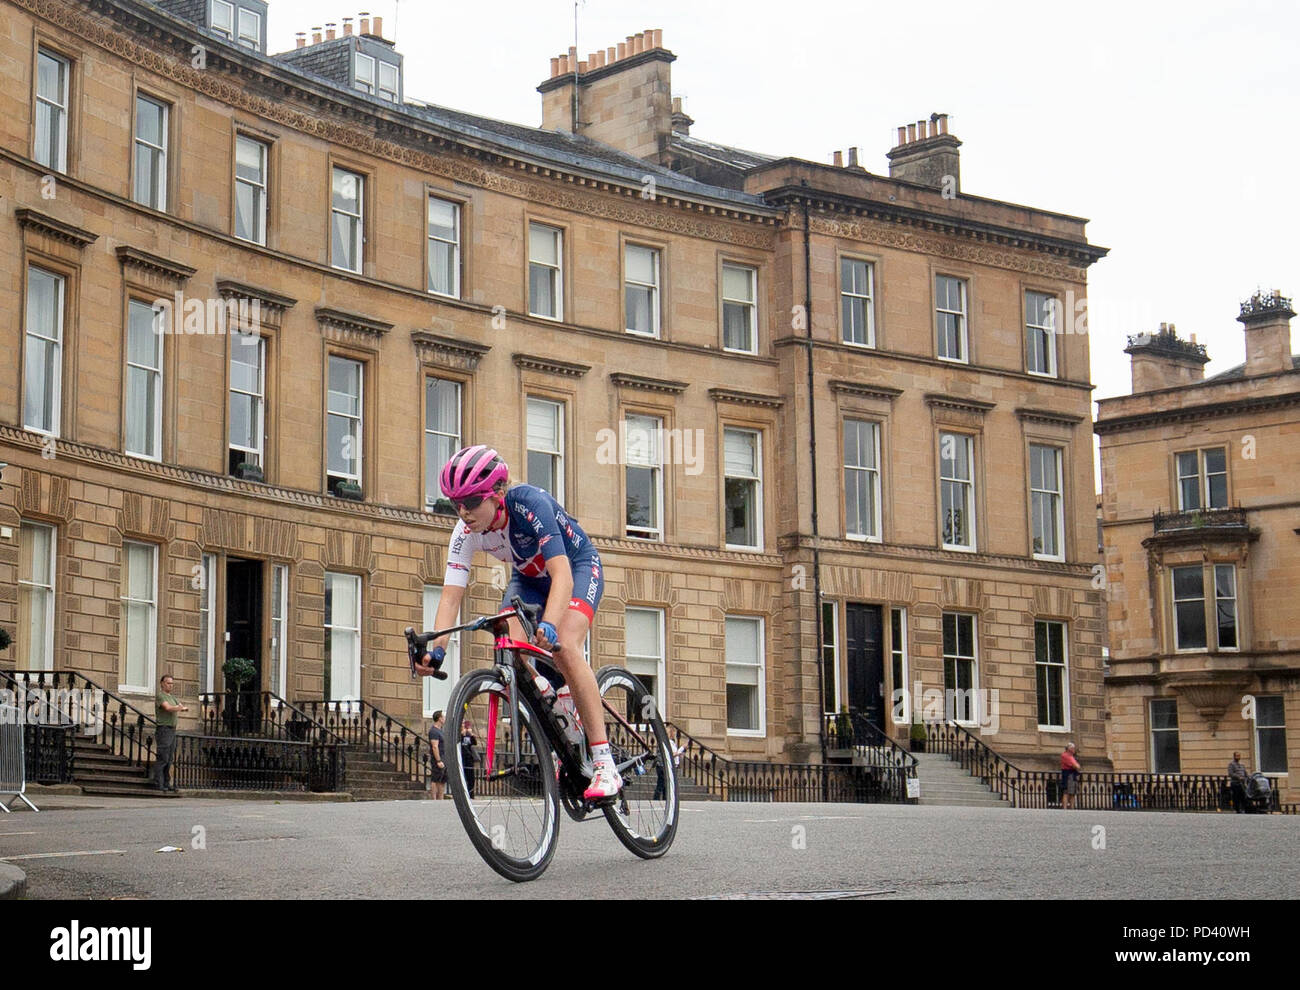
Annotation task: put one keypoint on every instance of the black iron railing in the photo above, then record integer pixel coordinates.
(1096, 791)
(261, 715)
(99, 713)
(852, 731)
(228, 763)
(1199, 519)
(48, 753)
(883, 780)
(361, 724)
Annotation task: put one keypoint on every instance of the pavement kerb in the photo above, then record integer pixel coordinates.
(13, 883)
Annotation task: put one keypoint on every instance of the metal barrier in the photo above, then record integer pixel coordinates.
(13, 766)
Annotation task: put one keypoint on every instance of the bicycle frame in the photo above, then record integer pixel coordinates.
(510, 657)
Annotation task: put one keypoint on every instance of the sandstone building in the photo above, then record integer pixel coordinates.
(1199, 482)
(830, 429)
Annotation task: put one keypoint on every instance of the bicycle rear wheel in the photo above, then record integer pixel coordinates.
(644, 816)
(510, 808)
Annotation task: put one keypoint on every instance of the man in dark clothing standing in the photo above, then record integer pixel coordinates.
(437, 772)
(165, 709)
(1237, 782)
(468, 757)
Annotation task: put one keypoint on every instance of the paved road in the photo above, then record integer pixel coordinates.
(412, 849)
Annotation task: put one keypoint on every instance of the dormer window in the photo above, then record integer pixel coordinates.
(377, 78)
(237, 24)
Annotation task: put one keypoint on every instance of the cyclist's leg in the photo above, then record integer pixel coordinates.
(578, 618)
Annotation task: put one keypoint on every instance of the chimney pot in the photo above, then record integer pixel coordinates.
(677, 104)
(379, 27)
(315, 36)
(347, 27)
(611, 55)
(564, 65)
(365, 22)
(329, 31)
(302, 39)
(943, 123)
(853, 158)
(622, 50)
(911, 133)
(555, 67)
(902, 135)
(582, 68)
(837, 159)
(658, 38)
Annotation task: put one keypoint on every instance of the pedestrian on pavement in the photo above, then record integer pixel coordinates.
(467, 755)
(438, 771)
(1070, 771)
(1237, 777)
(165, 709)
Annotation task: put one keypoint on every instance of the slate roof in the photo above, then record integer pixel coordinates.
(1239, 372)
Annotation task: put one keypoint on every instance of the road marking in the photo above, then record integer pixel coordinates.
(3, 834)
(796, 895)
(82, 852)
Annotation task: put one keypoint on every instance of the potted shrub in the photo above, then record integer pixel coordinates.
(443, 507)
(844, 728)
(349, 490)
(248, 471)
(918, 737)
(240, 711)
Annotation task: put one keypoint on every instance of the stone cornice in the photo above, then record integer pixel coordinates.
(959, 402)
(624, 380)
(353, 323)
(233, 77)
(865, 389)
(550, 366)
(127, 467)
(680, 551)
(942, 235)
(52, 227)
(1196, 413)
(948, 558)
(746, 398)
(271, 300)
(135, 258)
(448, 351)
(1048, 416)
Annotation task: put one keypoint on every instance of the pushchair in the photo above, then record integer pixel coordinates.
(1259, 794)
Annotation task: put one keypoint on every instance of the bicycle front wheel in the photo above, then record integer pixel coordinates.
(644, 816)
(505, 793)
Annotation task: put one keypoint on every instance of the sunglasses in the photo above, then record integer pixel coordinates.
(468, 504)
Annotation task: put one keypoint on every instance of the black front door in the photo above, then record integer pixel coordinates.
(244, 616)
(865, 659)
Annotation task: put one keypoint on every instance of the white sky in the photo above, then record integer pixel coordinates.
(1171, 126)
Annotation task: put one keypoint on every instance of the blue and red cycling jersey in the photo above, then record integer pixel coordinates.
(538, 529)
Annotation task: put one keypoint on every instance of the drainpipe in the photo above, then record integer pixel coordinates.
(812, 446)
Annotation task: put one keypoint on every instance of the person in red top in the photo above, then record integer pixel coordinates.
(1070, 770)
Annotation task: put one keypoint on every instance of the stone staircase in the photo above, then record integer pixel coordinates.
(944, 783)
(372, 778)
(96, 770)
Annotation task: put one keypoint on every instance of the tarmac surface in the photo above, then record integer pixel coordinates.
(83, 847)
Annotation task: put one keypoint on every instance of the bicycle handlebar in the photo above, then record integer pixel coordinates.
(528, 616)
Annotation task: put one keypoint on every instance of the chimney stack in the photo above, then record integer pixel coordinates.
(624, 96)
(927, 154)
(1163, 360)
(1266, 318)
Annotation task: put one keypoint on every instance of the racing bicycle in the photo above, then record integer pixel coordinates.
(511, 765)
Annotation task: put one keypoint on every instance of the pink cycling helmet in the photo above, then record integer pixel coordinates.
(472, 471)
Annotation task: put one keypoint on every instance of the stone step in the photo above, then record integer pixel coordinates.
(125, 790)
(380, 794)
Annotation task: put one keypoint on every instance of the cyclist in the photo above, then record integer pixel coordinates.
(554, 565)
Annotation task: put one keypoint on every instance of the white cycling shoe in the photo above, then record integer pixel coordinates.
(605, 783)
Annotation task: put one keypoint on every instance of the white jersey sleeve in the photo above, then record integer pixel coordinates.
(460, 554)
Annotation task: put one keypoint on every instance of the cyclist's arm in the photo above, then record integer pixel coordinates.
(561, 575)
(448, 610)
